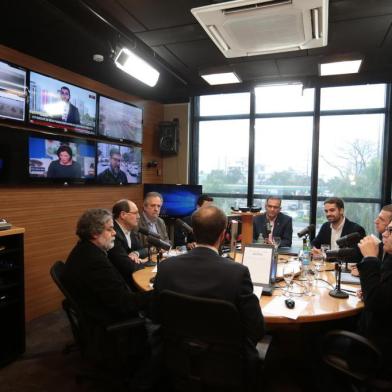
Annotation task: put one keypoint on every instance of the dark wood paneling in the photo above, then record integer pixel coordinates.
(49, 214)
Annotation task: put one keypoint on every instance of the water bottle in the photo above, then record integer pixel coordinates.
(305, 258)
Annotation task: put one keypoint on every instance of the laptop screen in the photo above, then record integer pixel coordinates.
(259, 258)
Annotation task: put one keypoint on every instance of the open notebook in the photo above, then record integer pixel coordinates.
(260, 260)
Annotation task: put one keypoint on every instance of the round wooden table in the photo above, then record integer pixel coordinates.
(320, 307)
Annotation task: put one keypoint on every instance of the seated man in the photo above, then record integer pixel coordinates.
(203, 273)
(127, 252)
(381, 223)
(337, 226)
(180, 238)
(150, 219)
(92, 279)
(376, 286)
(273, 223)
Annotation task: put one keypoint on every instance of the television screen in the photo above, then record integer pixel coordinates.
(119, 120)
(61, 105)
(61, 159)
(118, 164)
(178, 200)
(12, 92)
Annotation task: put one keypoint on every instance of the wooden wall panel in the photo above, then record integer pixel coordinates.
(49, 214)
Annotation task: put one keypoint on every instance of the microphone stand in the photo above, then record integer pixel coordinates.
(337, 292)
(149, 262)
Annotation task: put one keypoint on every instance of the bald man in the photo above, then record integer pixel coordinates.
(127, 252)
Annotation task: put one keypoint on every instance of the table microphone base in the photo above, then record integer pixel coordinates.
(336, 293)
(150, 263)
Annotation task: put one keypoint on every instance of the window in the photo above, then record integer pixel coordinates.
(224, 104)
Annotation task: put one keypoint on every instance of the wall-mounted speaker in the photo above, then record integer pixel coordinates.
(168, 137)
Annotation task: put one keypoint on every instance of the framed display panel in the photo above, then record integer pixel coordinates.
(118, 165)
(120, 121)
(59, 104)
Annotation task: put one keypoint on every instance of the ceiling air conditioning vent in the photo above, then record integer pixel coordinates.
(249, 27)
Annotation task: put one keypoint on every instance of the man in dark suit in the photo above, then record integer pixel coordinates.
(273, 223)
(203, 273)
(92, 279)
(180, 238)
(376, 286)
(127, 251)
(113, 174)
(337, 226)
(150, 219)
(71, 112)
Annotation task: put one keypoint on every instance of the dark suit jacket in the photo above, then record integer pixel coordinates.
(324, 235)
(73, 115)
(283, 228)
(98, 287)
(376, 285)
(118, 255)
(161, 227)
(203, 273)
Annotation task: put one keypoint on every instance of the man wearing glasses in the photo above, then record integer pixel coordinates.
(273, 223)
(376, 285)
(113, 174)
(127, 252)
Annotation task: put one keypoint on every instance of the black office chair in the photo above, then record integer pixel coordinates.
(112, 350)
(204, 347)
(357, 358)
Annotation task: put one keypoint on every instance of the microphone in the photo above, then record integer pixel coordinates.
(348, 240)
(158, 243)
(342, 253)
(268, 228)
(148, 233)
(184, 225)
(307, 230)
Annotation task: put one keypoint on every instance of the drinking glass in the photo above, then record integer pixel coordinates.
(276, 242)
(318, 261)
(288, 275)
(309, 282)
(324, 248)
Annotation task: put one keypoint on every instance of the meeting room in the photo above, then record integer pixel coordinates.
(196, 195)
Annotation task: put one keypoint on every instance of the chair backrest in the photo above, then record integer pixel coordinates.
(203, 342)
(357, 357)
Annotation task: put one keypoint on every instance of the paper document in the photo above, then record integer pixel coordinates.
(348, 278)
(258, 290)
(258, 260)
(277, 307)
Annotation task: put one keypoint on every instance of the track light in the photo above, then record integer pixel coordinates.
(135, 66)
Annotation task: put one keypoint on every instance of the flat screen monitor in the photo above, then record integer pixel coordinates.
(61, 160)
(61, 105)
(118, 165)
(178, 200)
(120, 121)
(12, 92)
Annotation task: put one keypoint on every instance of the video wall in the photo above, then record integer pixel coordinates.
(69, 134)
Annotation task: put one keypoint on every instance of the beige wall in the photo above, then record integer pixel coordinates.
(175, 168)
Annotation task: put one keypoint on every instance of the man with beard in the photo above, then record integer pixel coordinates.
(337, 226)
(113, 174)
(92, 279)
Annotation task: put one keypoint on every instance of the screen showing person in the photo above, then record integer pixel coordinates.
(119, 164)
(54, 103)
(120, 121)
(61, 159)
(12, 92)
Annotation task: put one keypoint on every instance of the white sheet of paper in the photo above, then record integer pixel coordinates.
(258, 260)
(155, 269)
(257, 290)
(277, 307)
(348, 278)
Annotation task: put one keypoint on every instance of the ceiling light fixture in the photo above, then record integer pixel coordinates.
(135, 66)
(221, 78)
(340, 67)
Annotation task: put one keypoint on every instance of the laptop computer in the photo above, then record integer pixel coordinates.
(260, 260)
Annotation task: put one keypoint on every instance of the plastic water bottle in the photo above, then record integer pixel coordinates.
(305, 258)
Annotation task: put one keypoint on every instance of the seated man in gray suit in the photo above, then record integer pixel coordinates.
(150, 219)
(203, 273)
(273, 223)
(127, 252)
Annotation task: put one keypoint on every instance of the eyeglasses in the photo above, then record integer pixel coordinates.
(388, 230)
(133, 212)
